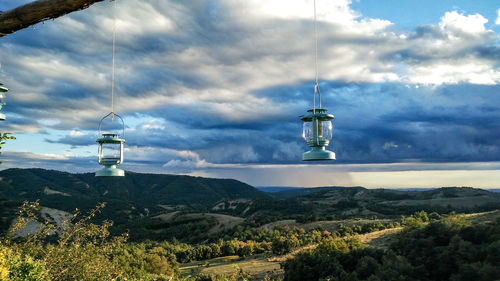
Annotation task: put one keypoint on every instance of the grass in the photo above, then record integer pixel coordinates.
(458, 202)
(380, 239)
(484, 217)
(333, 225)
(256, 265)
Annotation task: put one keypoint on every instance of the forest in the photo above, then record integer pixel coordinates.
(429, 247)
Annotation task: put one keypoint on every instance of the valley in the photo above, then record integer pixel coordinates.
(214, 229)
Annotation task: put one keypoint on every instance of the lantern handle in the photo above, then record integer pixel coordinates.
(114, 114)
(316, 90)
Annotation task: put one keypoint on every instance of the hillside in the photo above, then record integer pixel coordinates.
(295, 192)
(154, 206)
(134, 196)
(346, 202)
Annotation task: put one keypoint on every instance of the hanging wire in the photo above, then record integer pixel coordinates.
(113, 66)
(316, 87)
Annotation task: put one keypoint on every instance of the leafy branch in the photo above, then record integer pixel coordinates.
(3, 138)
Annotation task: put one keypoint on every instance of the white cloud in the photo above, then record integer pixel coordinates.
(467, 70)
(192, 59)
(330, 11)
(448, 53)
(152, 125)
(497, 22)
(225, 66)
(75, 133)
(457, 22)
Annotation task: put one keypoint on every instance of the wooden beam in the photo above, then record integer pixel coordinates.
(38, 11)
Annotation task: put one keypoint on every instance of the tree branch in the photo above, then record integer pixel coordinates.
(38, 11)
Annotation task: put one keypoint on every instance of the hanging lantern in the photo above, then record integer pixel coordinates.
(317, 128)
(2, 102)
(110, 150)
(317, 132)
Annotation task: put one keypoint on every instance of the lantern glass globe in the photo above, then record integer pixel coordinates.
(324, 131)
(110, 152)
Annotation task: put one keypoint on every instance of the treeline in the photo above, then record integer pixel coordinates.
(446, 248)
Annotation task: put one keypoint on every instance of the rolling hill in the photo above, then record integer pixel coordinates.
(134, 196)
(154, 206)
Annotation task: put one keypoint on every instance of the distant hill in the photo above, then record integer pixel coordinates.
(342, 202)
(290, 193)
(272, 189)
(134, 195)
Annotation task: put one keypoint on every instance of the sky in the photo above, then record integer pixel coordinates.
(216, 88)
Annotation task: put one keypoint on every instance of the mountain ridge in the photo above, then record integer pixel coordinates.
(133, 196)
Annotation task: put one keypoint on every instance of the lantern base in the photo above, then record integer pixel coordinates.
(318, 154)
(2, 116)
(110, 171)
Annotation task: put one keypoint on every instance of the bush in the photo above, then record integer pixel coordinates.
(82, 251)
(15, 266)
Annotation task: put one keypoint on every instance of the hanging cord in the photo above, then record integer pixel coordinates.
(316, 87)
(113, 67)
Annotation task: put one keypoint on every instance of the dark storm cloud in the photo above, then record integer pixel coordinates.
(374, 123)
(74, 141)
(224, 85)
(445, 124)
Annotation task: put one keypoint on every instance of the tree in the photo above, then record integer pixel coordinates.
(3, 138)
(38, 11)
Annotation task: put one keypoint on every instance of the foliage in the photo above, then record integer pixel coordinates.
(318, 263)
(17, 266)
(81, 251)
(3, 138)
(449, 248)
(134, 203)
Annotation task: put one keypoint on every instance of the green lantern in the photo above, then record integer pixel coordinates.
(317, 132)
(317, 128)
(110, 150)
(2, 97)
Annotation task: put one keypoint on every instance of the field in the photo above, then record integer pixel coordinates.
(257, 266)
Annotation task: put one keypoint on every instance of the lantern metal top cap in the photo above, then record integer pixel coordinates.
(318, 113)
(110, 138)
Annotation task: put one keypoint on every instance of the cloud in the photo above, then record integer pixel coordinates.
(458, 49)
(497, 21)
(204, 84)
(387, 175)
(454, 23)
